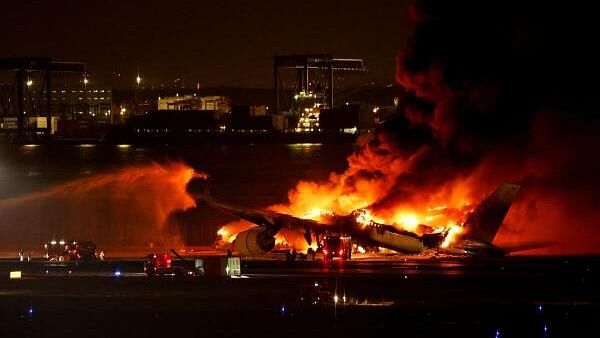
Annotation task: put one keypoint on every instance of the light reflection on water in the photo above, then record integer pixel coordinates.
(275, 167)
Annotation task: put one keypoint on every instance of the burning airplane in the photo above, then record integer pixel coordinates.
(473, 237)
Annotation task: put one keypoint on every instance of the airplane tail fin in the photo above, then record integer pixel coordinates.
(483, 223)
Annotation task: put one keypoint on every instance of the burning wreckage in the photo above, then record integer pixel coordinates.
(474, 236)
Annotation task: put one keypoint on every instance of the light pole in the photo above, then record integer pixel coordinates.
(138, 80)
(85, 96)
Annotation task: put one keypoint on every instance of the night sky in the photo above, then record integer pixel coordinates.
(215, 43)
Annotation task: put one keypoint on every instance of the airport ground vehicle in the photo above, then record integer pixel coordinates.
(336, 246)
(164, 265)
(85, 251)
(201, 265)
(72, 251)
(55, 250)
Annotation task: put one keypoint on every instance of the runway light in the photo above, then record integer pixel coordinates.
(117, 273)
(497, 333)
(30, 311)
(282, 310)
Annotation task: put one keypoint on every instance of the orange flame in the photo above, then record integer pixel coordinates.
(371, 174)
(453, 232)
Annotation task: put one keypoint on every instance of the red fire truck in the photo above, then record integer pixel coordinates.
(336, 246)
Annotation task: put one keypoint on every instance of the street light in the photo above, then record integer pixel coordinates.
(138, 79)
(29, 82)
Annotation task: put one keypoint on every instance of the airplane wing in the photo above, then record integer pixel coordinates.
(272, 221)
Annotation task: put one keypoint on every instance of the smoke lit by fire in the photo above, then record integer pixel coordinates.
(127, 207)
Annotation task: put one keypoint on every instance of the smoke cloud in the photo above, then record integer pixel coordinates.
(508, 101)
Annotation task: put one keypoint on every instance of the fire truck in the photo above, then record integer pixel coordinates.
(206, 265)
(336, 246)
(162, 265)
(72, 251)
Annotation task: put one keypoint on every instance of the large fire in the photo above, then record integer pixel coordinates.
(361, 189)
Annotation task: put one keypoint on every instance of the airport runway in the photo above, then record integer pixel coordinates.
(514, 297)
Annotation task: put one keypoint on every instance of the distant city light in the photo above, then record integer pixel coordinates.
(138, 79)
(29, 82)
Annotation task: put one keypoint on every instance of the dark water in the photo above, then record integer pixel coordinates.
(246, 175)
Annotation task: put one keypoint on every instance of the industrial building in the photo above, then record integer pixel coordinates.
(30, 91)
(311, 89)
(220, 104)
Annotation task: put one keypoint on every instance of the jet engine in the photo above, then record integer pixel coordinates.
(254, 242)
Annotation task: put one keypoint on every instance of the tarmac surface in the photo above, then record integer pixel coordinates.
(407, 297)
